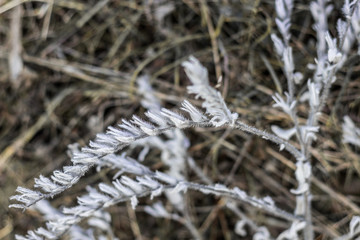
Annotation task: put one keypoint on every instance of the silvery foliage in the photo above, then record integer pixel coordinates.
(304, 133)
(283, 20)
(102, 148)
(149, 100)
(102, 152)
(331, 56)
(173, 148)
(128, 189)
(351, 134)
(292, 232)
(173, 154)
(355, 24)
(320, 11)
(99, 224)
(213, 101)
(158, 210)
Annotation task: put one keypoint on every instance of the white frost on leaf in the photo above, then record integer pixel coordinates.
(262, 233)
(292, 232)
(213, 101)
(354, 225)
(287, 106)
(279, 45)
(157, 210)
(180, 187)
(302, 174)
(148, 101)
(195, 114)
(334, 56)
(134, 202)
(288, 60)
(298, 77)
(240, 228)
(283, 133)
(351, 134)
(308, 133)
(314, 94)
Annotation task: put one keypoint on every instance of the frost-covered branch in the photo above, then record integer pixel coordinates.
(127, 189)
(115, 139)
(331, 56)
(100, 220)
(126, 133)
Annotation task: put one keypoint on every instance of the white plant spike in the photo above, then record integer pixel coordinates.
(213, 101)
(334, 55)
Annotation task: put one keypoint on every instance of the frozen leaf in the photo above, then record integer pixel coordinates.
(239, 228)
(354, 225)
(308, 133)
(314, 94)
(195, 114)
(262, 233)
(157, 210)
(123, 189)
(156, 118)
(334, 56)
(148, 182)
(279, 45)
(288, 60)
(298, 77)
(287, 106)
(213, 101)
(148, 128)
(109, 190)
(283, 133)
(132, 184)
(134, 202)
(177, 119)
(351, 134)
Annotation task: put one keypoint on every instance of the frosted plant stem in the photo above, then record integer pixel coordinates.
(290, 82)
(312, 120)
(229, 204)
(298, 132)
(273, 138)
(90, 156)
(306, 200)
(309, 229)
(244, 198)
(300, 156)
(85, 166)
(283, 20)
